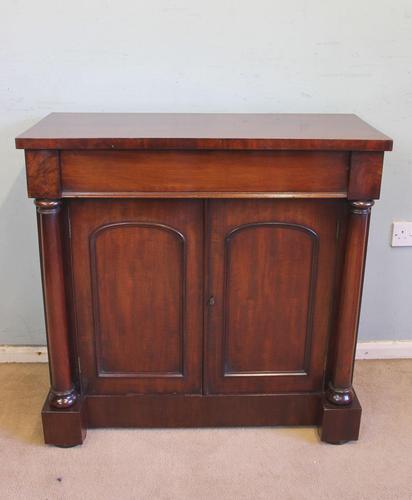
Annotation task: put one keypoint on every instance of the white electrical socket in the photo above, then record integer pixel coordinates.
(402, 234)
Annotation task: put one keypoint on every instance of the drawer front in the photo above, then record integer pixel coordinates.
(204, 174)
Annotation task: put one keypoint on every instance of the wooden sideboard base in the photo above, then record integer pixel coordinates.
(66, 428)
(340, 424)
(202, 410)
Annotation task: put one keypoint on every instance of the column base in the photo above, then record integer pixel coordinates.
(340, 397)
(64, 427)
(340, 424)
(62, 400)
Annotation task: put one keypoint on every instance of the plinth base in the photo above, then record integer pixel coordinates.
(67, 427)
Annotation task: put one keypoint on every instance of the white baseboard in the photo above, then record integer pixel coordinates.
(398, 349)
(365, 350)
(23, 354)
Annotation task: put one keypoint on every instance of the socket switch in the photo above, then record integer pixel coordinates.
(402, 234)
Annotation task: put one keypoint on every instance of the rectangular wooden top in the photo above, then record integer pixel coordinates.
(344, 132)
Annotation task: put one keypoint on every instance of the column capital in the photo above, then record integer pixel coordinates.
(361, 207)
(45, 206)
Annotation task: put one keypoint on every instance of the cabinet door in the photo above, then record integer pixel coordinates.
(137, 272)
(271, 280)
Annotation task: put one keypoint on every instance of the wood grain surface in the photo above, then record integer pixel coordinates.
(203, 131)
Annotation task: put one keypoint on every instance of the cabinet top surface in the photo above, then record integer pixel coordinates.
(203, 131)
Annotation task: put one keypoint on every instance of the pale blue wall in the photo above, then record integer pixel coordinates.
(219, 55)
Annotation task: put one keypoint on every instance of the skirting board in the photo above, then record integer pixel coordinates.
(401, 349)
(23, 354)
(397, 349)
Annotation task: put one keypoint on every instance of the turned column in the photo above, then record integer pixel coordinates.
(340, 390)
(62, 393)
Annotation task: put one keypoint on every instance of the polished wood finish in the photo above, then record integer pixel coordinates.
(320, 132)
(340, 390)
(271, 275)
(66, 427)
(97, 173)
(203, 410)
(365, 175)
(137, 268)
(202, 270)
(43, 174)
(62, 394)
(340, 424)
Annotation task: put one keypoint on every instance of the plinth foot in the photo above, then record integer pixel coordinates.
(64, 427)
(340, 424)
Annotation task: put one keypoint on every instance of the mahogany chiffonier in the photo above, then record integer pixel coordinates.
(202, 270)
